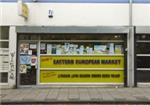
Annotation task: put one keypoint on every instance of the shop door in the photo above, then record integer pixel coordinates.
(142, 58)
(28, 63)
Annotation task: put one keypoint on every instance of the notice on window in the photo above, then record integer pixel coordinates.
(25, 59)
(23, 69)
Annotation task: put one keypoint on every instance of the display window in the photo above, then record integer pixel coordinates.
(142, 58)
(72, 58)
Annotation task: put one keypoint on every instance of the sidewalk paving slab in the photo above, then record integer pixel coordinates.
(75, 95)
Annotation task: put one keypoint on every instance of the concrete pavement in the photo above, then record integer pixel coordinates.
(69, 95)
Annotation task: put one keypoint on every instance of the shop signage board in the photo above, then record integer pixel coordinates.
(73, 76)
(23, 9)
(82, 69)
(82, 62)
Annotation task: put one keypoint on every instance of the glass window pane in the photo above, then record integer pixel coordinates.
(34, 37)
(143, 48)
(24, 37)
(81, 37)
(89, 43)
(143, 62)
(70, 48)
(143, 76)
(3, 77)
(28, 37)
(4, 45)
(4, 33)
(143, 37)
(28, 78)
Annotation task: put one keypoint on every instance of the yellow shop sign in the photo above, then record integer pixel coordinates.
(81, 62)
(79, 76)
(23, 9)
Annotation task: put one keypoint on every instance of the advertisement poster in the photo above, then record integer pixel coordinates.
(33, 61)
(100, 49)
(33, 46)
(30, 52)
(118, 49)
(49, 48)
(43, 46)
(111, 48)
(23, 69)
(25, 59)
(24, 47)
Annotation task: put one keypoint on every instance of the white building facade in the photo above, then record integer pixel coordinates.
(59, 23)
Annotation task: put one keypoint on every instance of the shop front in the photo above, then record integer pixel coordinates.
(50, 56)
(142, 56)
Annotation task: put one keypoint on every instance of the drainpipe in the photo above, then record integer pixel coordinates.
(131, 47)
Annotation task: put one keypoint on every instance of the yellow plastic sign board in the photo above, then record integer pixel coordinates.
(79, 76)
(23, 9)
(82, 62)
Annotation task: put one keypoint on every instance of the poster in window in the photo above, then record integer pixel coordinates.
(25, 59)
(100, 49)
(49, 48)
(33, 61)
(23, 69)
(33, 46)
(43, 46)
(54, 49)
(118, 49)
(24, 48)
(111, 48)
(30, 52)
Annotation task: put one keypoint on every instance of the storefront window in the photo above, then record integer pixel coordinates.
(82, 44)
(143, 57)
(82, 58)
(71, 58)
(80, 48)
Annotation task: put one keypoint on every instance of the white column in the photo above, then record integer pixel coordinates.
(131, 57)
(12, 57)
(131, 47)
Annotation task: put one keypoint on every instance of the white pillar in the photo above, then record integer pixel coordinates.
(131, 57)
(12, 57)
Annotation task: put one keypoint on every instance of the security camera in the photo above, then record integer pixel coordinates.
(50, 16)
(50, 13)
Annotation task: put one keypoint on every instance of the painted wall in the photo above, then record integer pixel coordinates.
(77, 14)
(68, 14)
(141, 14)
